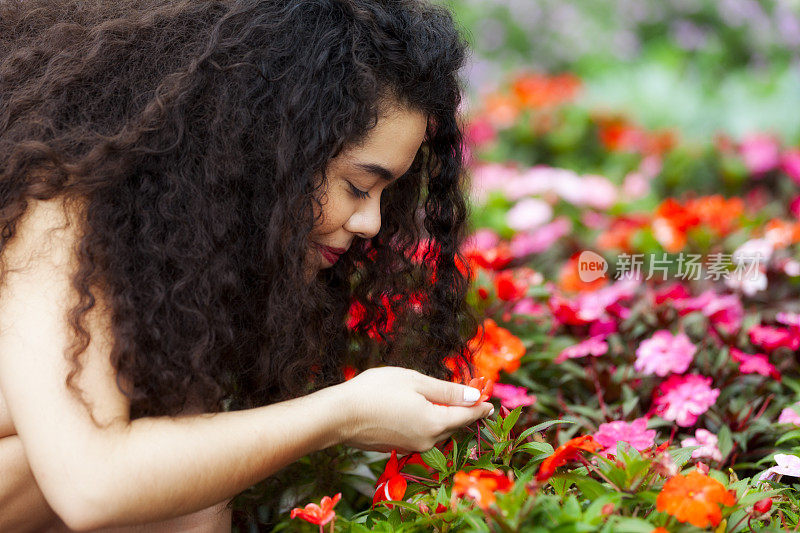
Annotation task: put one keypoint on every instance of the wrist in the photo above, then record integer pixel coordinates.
(335, 408)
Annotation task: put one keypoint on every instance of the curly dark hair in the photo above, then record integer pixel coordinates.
(190, 133)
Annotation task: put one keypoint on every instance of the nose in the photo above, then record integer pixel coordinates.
(366, 220)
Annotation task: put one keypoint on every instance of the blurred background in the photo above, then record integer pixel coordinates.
(699, 65)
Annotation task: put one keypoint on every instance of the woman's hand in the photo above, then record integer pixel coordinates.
(391, 408)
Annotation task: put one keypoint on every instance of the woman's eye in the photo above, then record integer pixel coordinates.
(358, 193)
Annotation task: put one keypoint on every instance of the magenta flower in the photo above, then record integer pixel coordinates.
(664, 353)
(684, 398)
(790, 163)
(724, 311)
(770, 338)
(761, 153)
(754, 364)
(594, 346)
(635, 433)
(708, 445)
(512, 396)
(790, 415)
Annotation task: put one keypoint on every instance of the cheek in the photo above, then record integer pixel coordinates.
(335, 210)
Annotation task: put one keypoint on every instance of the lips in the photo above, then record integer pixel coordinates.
(329, 253)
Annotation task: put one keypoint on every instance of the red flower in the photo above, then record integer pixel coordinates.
(567, 452)
(480, 485)
(391, 485)
(349, 372)
(508, 287)
(318, 514)
(492, 259)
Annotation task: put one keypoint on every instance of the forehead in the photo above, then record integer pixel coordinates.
(392, 144)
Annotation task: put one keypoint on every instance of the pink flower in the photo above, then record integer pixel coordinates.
(480, 131)
(598, 192)
(490, 177)
(664, 353)
(528, 214)
(760, 153)
(528, 307)
(636, 434)
(788, 319)
(512, 396)
(754, 364)
(790, 415)
(483, 239)
(541, 238)
(770, 338)
(788, 465)
(684, 398)
(708, 445)
(790, 163)
(724, 311)
(594, 346)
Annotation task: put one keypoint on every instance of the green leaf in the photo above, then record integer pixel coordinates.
(725, 441)
(681, 456)
(500, 447)
(794, 434)
(537, 448)
(435, 458)
(631, 525)
(591, 488)
(510, 420)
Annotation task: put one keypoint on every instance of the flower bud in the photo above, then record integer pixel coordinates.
(762, 506)
(702, 468)
(423, 508)
(607, 509)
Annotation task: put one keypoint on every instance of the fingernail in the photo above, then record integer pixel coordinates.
(491, 412)
(471, 394)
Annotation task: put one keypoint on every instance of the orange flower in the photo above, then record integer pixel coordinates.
(782, 233)
(318, 514)
(501, 110)
(483, 385)
(480, 485)
(494, 350)
(569, 451)
(660, 530)
(619, 234)
(569, 278)
(538, 90)
(716, 212)
(694, 498)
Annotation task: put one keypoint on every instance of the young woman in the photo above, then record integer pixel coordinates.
(193, 195)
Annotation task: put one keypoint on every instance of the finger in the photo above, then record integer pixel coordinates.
(445, 392)
(456, 417)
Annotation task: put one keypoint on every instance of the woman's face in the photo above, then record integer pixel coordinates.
(351, 199)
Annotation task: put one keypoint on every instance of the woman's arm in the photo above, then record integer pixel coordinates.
(156, 468)
(23, 508)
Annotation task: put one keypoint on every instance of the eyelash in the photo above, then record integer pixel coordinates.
(358, 193)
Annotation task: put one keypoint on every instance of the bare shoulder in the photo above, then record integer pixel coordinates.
(40, 260)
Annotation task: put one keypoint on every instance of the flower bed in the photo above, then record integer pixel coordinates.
(659, 398)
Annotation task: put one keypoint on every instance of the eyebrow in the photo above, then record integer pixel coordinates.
(378, 170)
